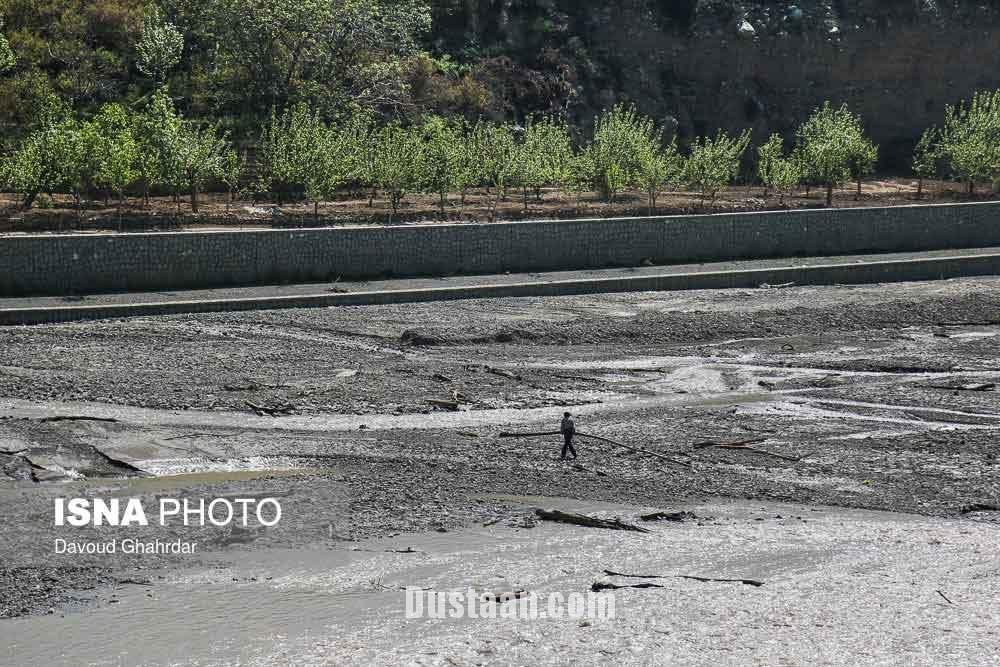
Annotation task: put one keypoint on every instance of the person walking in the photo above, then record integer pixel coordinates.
(568, 430)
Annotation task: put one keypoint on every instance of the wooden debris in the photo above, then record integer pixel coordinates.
(945, 597)
(669, 516)
(599, 586)
(587, 521)
(77, 418)
(494, 596)
(737, 443)
(275, 411)
(441, 378)
(779, 286)
(748, 582)
(980, 386)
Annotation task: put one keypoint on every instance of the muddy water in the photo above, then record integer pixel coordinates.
(841, 587)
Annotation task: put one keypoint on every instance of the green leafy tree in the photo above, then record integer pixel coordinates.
(970, 138)
(776, 172)
(46, 160)
(289, 151)
(232, 168)
(714, 162)
(545, 156)
(200, 152)
(659, 166)
(159, 49)
(619, 137)
(442, 158)
(115, 150)
(498, 152)
(398, 162)
(925, 158)
(7, 58)
(157, 131)
(831, 147)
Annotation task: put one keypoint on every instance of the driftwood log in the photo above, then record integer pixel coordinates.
(748, 582)
(587, 521)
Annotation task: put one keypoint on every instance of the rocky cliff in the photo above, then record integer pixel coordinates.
(703, 64)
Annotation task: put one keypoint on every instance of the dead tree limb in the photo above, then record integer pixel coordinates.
(586, 521)
(77, 418)
(599, 586)
(737, 443)
(748, 582)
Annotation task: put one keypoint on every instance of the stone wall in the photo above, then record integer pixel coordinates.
(82, 263)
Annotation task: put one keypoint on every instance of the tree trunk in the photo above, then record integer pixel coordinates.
(316, 212)
(194, 195)
(443, 202)
(829, 194)
(525, 193)
(972, 187)
(920, 187)
(857, 195)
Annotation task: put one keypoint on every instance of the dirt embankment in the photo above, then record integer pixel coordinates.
(216, 211)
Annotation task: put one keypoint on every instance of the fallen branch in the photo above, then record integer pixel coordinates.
(77, 418)
(945, 597)
(748, 582)
(737, 443)
(982, 386)
(276, 411)
(577, 466)
(447, 405)
(587, 521)
(507, 434)
(781, 286)
(599, 586)
(669, 516)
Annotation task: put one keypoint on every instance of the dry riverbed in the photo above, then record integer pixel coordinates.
(374, 422)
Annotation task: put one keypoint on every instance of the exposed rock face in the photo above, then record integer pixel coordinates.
(898, 63)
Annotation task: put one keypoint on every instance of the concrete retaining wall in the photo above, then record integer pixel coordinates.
(823, 274)
(82, 263)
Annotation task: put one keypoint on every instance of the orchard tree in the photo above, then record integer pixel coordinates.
(232, 167)
(831, 147)
(658, 167)
(498, 151)
(200, 152)
(714, 162)
(546, 154)
(288, 151)
(46, 160)
(619, 135)
(115, 151)
(925, 158)
(442, 158)
(776, 172)
(970, 138)
(398, 162)
(159, 49)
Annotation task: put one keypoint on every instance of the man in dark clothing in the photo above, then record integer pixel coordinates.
(568, 429)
